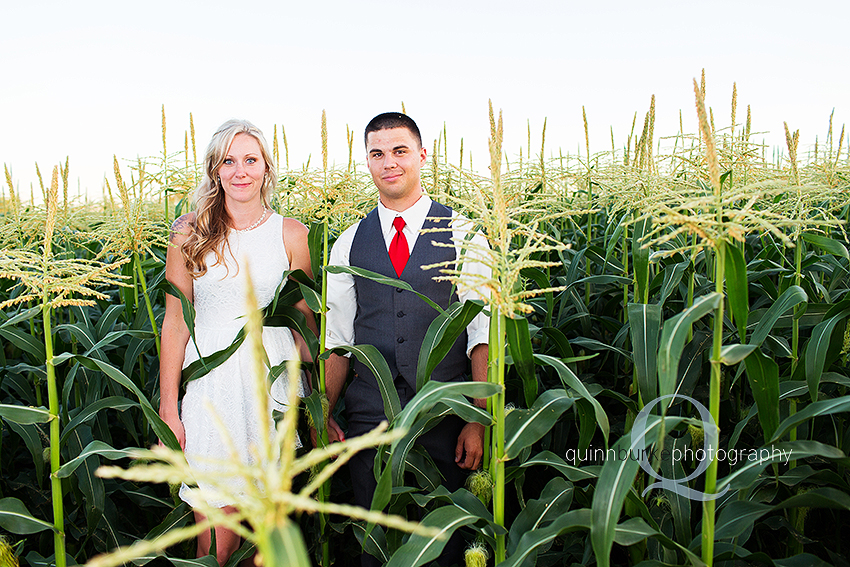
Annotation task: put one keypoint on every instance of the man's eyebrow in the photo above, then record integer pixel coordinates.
(399, 147)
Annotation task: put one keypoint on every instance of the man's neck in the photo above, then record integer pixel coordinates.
(400, 206)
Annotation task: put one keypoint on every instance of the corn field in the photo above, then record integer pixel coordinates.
(669, 340)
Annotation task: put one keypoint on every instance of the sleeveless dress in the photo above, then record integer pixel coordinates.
(228, 390)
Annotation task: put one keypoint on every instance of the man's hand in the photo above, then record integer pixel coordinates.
(334, 433)
(470, 446)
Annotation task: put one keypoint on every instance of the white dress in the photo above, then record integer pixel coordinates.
(228, 390)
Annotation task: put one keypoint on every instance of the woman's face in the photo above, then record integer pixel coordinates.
(243, 171)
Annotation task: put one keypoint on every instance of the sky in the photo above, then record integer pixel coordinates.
(88, 79)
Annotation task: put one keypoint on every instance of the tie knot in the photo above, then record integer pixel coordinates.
(399, 223)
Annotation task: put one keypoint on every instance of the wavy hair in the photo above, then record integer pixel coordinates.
(212, 221)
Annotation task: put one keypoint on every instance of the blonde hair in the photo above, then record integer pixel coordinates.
(212, 221)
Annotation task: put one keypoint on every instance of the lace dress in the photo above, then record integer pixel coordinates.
(228, 390)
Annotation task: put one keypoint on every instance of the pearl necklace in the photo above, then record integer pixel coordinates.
(256, 224)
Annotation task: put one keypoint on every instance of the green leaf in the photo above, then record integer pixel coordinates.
(313, 402)
(756, 460)
(468, 412)
(114, 335)
(421, 549)
(93, 448)
(602, 280)
(640, 259)
(615, 480)
(205, 364)
(15, 518)
(313, 299)
(316, 245)
(680, 504)
(571, 381)
(635, 530)
(733, 354)
(792, 296)
(644, 328)
(523, 427)
(542, 280)
(736, 289)
(441, 336)
(737, 516)
(285, 544)
(811, 411)
(23, 414)
(816, 352)
(378, 278)
(108, 318)
(828, 245)
(519, 345)
(374, 543)
(188, 311)
(550, 459)
(401, 449)
(24, 315)
(593, 344)
(674, 335)
(81, 332)
(178, 517)
(821, 497)
(763, 375)
(24, 341)
(555, 499)
(372, 358)
(526, 549)
(205, 561)
(89, 484)
(614, 239)
(433, 392)
(32, 439)
(288, 316)
(672, 277)
(119, 403)
(159, 427)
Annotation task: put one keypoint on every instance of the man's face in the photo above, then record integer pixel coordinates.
(395, 159)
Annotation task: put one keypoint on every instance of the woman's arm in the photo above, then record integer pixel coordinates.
(175, 333)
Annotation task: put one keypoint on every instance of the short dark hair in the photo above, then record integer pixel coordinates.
(389, 120)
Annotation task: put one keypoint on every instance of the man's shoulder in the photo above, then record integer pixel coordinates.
(342, 246)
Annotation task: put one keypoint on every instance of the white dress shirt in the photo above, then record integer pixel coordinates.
(342, 297)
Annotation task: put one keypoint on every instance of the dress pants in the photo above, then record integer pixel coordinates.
(440, 443)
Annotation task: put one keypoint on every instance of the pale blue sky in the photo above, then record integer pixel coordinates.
(86, 79)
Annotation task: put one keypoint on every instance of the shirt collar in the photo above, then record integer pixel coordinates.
(414, 216)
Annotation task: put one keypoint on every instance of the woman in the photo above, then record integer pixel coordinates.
(231, 232)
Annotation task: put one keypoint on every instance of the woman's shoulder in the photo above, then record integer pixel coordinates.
(182, 227)
(293, 228)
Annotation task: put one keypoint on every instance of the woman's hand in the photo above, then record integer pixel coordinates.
(334, 433)
(176, 426)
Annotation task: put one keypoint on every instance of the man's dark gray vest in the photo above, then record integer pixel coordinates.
(394, 320)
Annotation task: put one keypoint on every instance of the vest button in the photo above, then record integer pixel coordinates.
(398, 290)
(400, 314)
(400, 340)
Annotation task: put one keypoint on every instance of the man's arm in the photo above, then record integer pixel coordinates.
(336, 371)
(470, 442)
(342, 301)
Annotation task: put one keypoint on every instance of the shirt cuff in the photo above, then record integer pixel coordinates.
(476, 338)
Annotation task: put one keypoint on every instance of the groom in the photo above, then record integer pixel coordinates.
(395, 321)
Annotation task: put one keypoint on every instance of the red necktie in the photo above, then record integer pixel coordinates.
(399, 252)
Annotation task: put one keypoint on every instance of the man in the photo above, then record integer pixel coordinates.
(360, 311)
